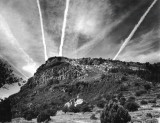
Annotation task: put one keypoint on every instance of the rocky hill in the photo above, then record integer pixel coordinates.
(61, 79)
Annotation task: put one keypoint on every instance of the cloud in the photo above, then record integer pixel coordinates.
(121, 7)
(21, 40)
(145, 48)
(95, 28)
(10, 44)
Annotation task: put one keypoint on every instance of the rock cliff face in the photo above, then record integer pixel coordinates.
(58, 69)
(61, 79)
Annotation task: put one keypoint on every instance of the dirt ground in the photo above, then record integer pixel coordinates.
(74, 118)
(66, 118)
(137, 117)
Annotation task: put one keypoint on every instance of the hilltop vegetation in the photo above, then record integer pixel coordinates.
(61, 79)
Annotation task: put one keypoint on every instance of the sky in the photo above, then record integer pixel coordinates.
(9, 90)
(94, 28)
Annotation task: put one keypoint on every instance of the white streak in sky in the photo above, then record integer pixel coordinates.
(64, 28)
(6, 30)
(42, 30)
(4, 27)
(135, 29)
(20, 72)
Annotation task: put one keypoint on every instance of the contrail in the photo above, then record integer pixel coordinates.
(17, 69)
(14, 67)
(7, 31)
(42, 30)
(135, 29)
(4, 27)
(64, 27)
